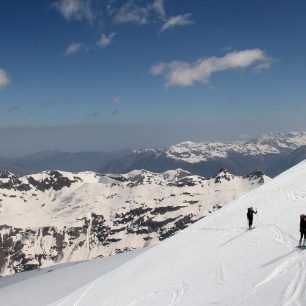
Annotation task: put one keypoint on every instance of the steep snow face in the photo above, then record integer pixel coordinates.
(215, 261)
(273, 143)
(54, 217)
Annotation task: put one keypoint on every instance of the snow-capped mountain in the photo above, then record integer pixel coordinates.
(274, 143)
(56, 216)
(207, 157)
(215, 261)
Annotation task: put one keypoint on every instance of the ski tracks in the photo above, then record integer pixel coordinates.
(281, 269)
(280, 236)
(295, 290)
(176, 292)
(80, 298)
(295, 195)
(218, 274)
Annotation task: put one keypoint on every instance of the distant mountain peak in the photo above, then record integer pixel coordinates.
(6, 174)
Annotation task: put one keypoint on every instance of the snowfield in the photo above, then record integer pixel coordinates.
(215, 261)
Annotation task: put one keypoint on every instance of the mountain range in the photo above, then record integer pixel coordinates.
(215, 261)
(270, 153)
(56, 217)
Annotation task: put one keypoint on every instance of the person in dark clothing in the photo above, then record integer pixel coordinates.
(302, 229)
(250, 213)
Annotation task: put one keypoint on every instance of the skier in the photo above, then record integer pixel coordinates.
(250, 213)
(302, 229)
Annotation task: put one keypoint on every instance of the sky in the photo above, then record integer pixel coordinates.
(81, 75)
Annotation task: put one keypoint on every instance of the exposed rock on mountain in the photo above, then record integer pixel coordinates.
(56, 216)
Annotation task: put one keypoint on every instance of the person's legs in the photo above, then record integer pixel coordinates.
(301, 238)
(250, 223)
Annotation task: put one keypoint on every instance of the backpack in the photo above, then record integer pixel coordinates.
(250, 212)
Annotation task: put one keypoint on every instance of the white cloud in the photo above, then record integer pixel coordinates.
(106, 40)
(158, 69)
(74, 48)
(138, 12)
(4, 79)
(131, 12)
(178, 73)
(158, 6)
(179, 20)
(75, 9)
(116, 100)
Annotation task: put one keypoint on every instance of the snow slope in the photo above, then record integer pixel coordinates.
(216, 261)
(41, 287)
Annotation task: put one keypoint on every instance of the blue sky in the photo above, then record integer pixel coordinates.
(214, 69)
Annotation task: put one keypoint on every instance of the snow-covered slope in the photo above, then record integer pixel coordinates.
(41, 287)
(55, 217)
(215, 261)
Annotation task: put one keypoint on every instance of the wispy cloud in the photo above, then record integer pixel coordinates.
(138, 12)
(159, 7)
(4, 79)
(13, 108)
(116, 100)
(131, 12)
(179, 20)
(74, 48)
(106, 40)
(93, 115)
(178, 73)
(158, 68)
(75, 9)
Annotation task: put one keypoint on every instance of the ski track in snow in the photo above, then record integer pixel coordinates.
(295, 195)
(281, 237)
(277, 272)
(294, 292)
(176, 293)
(85, 292)
(219, 275)
(296, 288)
